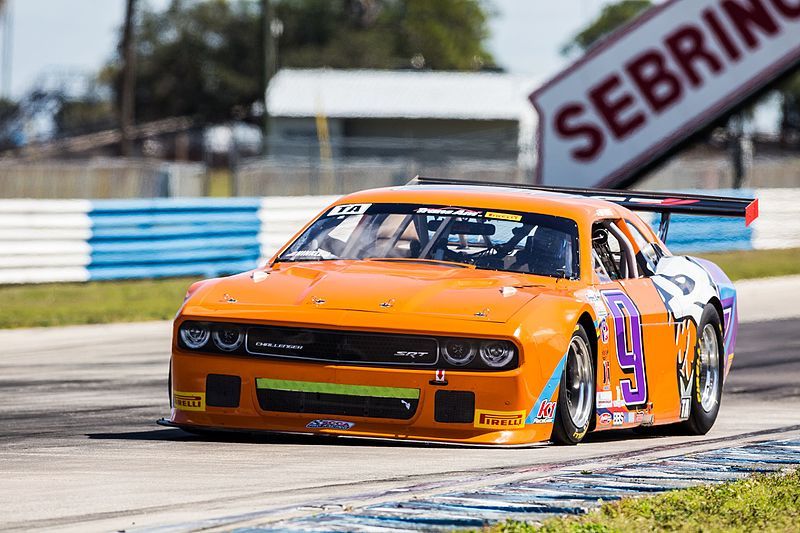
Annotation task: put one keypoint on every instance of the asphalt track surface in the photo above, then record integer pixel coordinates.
(79, 448)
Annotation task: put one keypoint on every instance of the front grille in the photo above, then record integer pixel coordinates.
(342, 347)
(336, 404)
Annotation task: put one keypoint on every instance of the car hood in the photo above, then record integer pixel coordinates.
(375, 286)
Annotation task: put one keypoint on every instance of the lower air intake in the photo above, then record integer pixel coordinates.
(223, 390)
(336, 404)
(454, 406)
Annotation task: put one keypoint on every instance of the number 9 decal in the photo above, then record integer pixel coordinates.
(629, 343)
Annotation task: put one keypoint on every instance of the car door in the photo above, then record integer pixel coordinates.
(637, 355)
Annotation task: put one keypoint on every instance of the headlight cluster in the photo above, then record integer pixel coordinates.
(492, 353)
(226, 337)
(453, 352)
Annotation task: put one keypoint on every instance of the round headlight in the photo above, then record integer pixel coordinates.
(458, 352)
(497, 354)
(228, 337)
(194, 335)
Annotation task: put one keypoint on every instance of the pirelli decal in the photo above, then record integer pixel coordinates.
(499, 419)
(189, 401)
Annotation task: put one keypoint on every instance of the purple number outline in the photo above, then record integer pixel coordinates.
(622, 307)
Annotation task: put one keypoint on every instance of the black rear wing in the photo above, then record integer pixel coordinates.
(657, 202)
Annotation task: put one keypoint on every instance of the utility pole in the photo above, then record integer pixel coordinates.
(6, 24)
(126, 104)
(270, 59)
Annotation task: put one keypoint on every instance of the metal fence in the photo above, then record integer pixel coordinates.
(271, 177)
(101, 178)
(105, 178)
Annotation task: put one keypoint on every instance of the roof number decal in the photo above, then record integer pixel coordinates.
(348, 209)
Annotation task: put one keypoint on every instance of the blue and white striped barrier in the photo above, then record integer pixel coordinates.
(80, 240)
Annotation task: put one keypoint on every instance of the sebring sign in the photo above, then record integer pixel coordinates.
(673, 71)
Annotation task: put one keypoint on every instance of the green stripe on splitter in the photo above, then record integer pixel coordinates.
(336, 388)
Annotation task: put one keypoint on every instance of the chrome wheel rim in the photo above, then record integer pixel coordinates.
(708, 376)
(579, 382)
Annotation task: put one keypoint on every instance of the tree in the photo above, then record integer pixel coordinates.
(205, 59)
(441, 35)
(611, 17)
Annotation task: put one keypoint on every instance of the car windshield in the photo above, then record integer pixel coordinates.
(494, 240)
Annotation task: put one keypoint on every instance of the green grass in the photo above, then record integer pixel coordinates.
(759, 503)
(131, 301)
(90, 303)
(757, 263)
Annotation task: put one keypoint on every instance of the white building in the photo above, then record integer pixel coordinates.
(426, 115)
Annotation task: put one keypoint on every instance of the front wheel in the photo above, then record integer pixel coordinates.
(707, 382)
(575, 405)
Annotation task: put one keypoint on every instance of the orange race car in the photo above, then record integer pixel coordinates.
(464, 312)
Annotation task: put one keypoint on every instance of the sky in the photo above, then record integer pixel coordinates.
(81, 35)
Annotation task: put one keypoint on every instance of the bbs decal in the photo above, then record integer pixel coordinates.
(629, 342)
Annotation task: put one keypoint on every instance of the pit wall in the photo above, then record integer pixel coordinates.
(44, 241)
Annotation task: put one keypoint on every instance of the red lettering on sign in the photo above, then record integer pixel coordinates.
(660, 75)
(565, 127)
(787, 9)
(611, 109)
(659, 86)
(721, 35)
(744, 18)
(687, 47)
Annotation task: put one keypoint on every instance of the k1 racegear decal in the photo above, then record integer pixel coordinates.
(348, 209)
(546, 412)
(499, 419)
(629, 342)
(340, 425)
(189, 401)
(547, 397)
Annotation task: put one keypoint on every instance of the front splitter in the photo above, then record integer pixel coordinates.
(244, 431)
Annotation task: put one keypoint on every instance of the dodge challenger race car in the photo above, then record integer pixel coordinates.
(464, 312)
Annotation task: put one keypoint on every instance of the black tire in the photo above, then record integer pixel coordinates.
(565, 430)
(702, 418)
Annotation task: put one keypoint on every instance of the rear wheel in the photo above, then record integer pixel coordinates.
(707, 382)
(575, 405)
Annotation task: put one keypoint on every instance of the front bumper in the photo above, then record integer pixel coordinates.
(313, 398)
